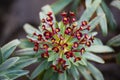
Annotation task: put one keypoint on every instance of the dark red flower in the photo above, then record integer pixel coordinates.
(75, 45)
(84, 23)
(77, 59)
(45, 46)
(55, 49)
(49, 13)
(82, 50)
(45, 55)
(61, 61)
(47, 35)
(39, 37)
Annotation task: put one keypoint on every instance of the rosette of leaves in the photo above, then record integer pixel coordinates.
(9, 69)
(64, 48)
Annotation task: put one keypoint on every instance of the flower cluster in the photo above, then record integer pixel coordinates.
(65, 41)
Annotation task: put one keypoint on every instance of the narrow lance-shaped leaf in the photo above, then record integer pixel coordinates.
(25, 43)
(99, 49)
(109, 15)
(88, 3)
(97, 41)
(90, 11)
(118, 58)
(85, 73)
(75, 73)
(59, 5)
(8, 49)
(38, 70)
(92, 57)
(103, 21)
(24, 63)
(4, 77)
(8, 63)
(1, 56)
(116, 3)
(13, 74)
(95, 72)
(95, 22)
(62, 76)
(115, 41)
(25, 52)
(75, 5)
(48, 73)
(29, 29)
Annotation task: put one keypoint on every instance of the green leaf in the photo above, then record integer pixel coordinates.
(88, 3)
(83, 61)
(116, 3)
(92, 33)
(109, 15)
(62, 76)
(75, 5)
(95, 72)
(92, 57)
(85, 73)
(8, 63)
(97, 41)
(103, 21)
(1, 56)
(60, 5)
(99, 49)
(115, 41)
(25, 43)
(8, 49)
(48, 74)
(118, 58)
(26, 52)
(38, 70)
(90, 11)
(4, 77)
(13, 74)
(53, 56)
(55, 76)
(62, 27)
(95, 22)
(29, 29)
(24, 63)
(74, 72)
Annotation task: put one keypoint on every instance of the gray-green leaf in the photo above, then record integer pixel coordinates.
(103, 21)
(8, 49)
(29, 29)
(8, 63)
(115, 41)
(99, 49)
(62, 76)
(109, 15)
(74, 72)
(59, 5)
(90, 11)
(13, 74)
(85, 73)
(38, 70)
(116, 3)
(95, 72)
(92, 57)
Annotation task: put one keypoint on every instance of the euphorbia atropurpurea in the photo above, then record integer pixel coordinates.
(68, 42)
(64, 47)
